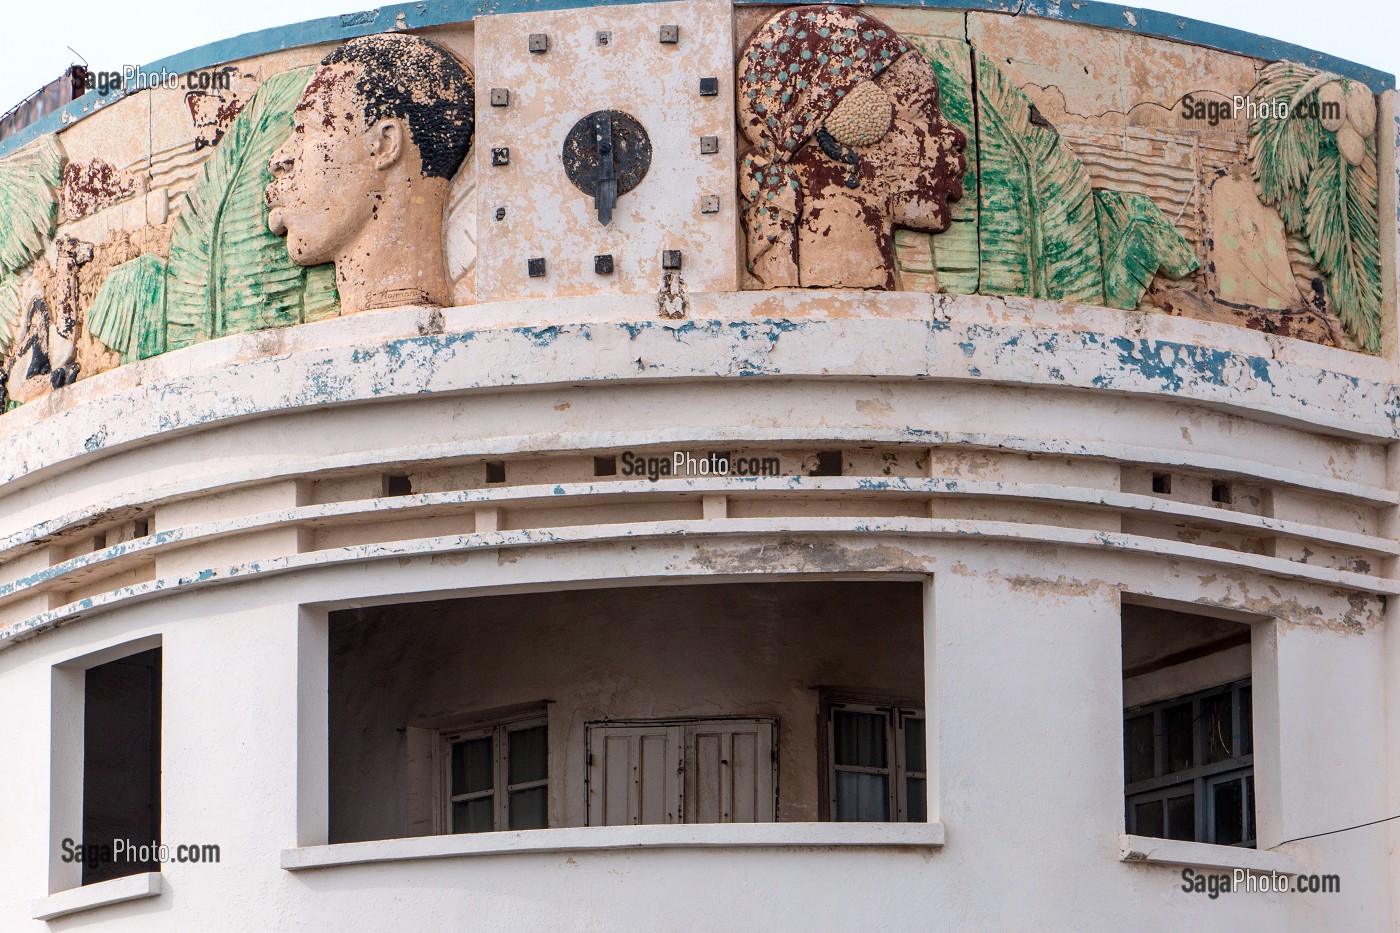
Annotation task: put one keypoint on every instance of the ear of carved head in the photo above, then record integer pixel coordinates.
(386, 143)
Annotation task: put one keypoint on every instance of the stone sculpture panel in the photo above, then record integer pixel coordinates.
(786, 147)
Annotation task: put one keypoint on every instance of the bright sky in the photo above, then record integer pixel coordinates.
(34, 49)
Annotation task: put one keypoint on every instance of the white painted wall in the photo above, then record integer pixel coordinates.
(1026, 673)
(1022, 636)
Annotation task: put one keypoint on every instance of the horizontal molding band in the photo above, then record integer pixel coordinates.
(1256, 388)
(715, 529)
(428, 505)
(22, 540)
(605, 838)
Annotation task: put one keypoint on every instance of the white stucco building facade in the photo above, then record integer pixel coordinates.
(993, 524)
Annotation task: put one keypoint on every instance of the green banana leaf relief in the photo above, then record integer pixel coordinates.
(1317, 166)
(1135, 241)
(29, 182)
(227, 272)
(1030, 222)
(126, 313)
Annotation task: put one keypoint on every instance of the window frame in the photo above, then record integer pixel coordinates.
(1201, 778)
(899, 712)
(498, 729)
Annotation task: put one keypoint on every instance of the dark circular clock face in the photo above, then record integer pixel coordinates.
(607, 144)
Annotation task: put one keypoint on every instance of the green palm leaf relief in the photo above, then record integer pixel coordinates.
(29, 182)
(1038, 227)
(126, 315)
(1030, 223)
(1319, 171)
(227, 272)
(1135, 240)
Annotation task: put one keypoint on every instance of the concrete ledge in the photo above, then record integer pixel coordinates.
(692, 530)
(100, 894)
(267, 373)
(543, 495)
(1203, 855)
(583, 838)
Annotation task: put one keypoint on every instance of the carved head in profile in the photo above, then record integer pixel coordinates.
(380, 130)
(848, 144)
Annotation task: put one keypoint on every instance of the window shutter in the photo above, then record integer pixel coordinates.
(729, 771)
(634, 774)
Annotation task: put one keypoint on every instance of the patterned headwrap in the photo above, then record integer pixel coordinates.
(796, 70)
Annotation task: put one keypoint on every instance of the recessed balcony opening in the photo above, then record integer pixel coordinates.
(716, 703)
(1188, 732)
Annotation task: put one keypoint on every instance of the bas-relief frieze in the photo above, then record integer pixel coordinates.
(870, 158)
(848, 143)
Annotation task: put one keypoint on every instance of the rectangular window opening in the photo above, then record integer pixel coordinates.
(605, 466)
(875, 759)
(495, 471)
(495, 775)
(1162, 484)
(121, 763)
(829, 463)
(1188, 744)
(397, 484)
(1220, 492)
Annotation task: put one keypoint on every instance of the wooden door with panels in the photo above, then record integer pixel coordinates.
(682, 771)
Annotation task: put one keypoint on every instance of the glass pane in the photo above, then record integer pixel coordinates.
(914, 741)
(1229, 812)
(1149, 819)
(1249, 807)
(862, 797)
(1246, 721)
(860, 739)
(1181, 817)
(529, 808)
(1177, 721)
(529, 755)
(473, 816)
(917, 791)
(471, 766)
(1138, 748)
(1218, 720)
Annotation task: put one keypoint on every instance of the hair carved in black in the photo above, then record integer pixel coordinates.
(420, 83)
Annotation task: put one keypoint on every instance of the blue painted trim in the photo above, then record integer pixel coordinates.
(418, 15)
